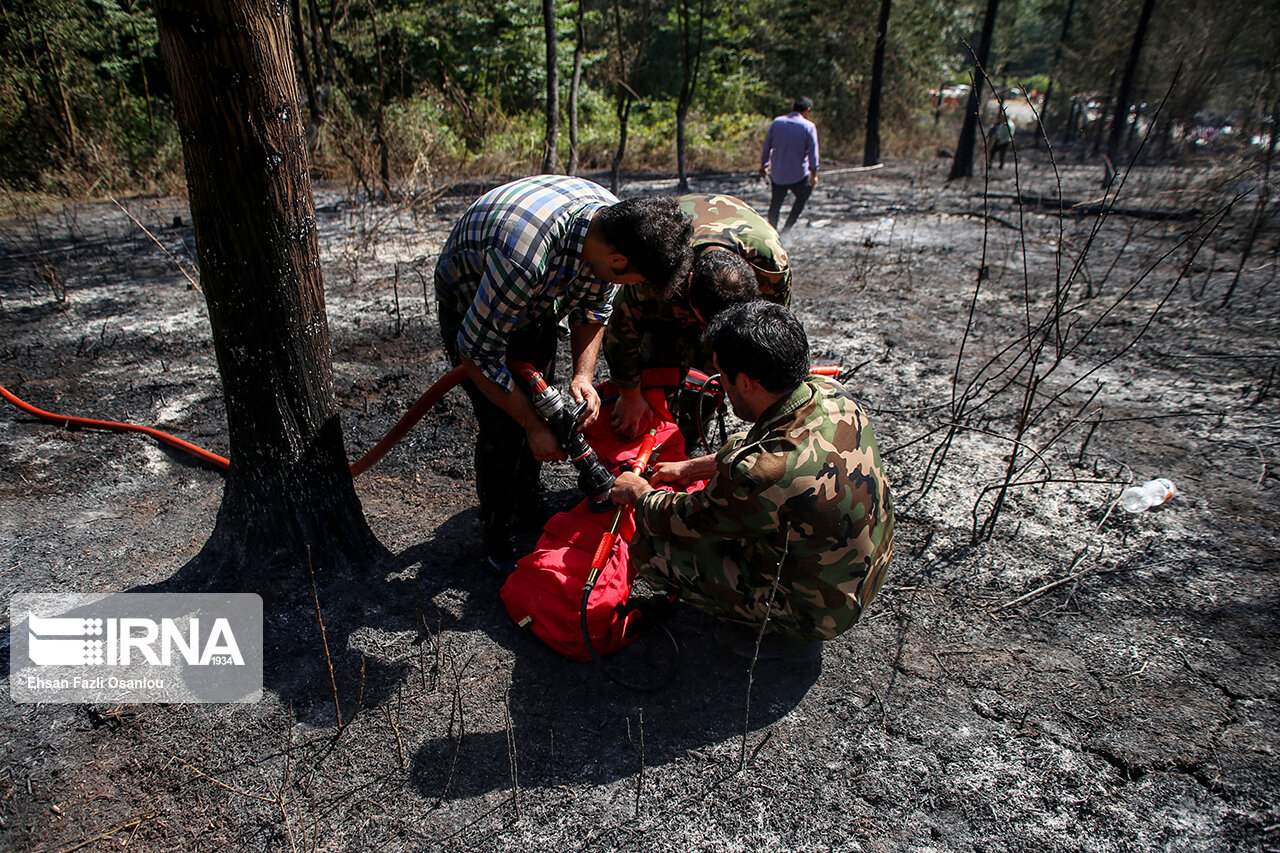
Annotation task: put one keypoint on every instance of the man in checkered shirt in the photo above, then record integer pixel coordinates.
(522, 258)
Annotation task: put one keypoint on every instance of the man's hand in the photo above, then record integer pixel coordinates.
(584, 341)
(628, 489)
(518, 406)
(542, 442)
(631, 414)
(684, 472)
(581, 389)
(813, 179)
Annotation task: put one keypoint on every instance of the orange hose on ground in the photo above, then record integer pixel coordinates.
(419, 409)
(89, 423)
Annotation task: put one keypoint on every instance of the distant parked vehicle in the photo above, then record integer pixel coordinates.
(952, 96)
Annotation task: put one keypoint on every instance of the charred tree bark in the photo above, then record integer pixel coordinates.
(871, 153)
(289, 499)
(1069, 129)
(553, 88)
(962, 167)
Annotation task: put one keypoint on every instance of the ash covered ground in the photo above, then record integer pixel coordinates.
(1041, 672)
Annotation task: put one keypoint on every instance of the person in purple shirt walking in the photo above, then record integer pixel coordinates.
(790, 160)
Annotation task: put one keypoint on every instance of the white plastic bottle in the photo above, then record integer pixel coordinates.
(1149, 494)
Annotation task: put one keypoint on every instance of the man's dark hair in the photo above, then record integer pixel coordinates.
(721, 279)
(653, 233)
(764, 341)
(801, 105)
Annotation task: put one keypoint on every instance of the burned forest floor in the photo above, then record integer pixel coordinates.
(1042, 671)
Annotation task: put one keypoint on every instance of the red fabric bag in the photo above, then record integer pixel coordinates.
(544, 593)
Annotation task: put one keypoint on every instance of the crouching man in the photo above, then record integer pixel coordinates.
(794, 529)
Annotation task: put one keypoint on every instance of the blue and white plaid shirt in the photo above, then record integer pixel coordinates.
(514, 257)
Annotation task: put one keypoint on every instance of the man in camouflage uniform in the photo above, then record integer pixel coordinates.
(737, 257)
(795, 525)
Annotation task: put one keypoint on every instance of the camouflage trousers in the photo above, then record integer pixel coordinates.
(719, 578)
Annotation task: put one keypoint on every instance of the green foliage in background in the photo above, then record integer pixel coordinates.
(406, 92)
(78, 98)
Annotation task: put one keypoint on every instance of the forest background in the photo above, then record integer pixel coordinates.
(404, 95)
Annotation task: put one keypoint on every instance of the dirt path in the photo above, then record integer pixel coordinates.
(1132, 705)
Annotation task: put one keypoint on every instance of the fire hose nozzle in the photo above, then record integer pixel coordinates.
(594, 479)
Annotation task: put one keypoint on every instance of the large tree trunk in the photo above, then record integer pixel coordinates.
(871, 153)
(962, 167)
(553, 88)
(1120, 116)
(288, 500)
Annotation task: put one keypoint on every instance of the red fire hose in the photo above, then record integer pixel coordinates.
(416, 412)
(432, 396)
(89, 423)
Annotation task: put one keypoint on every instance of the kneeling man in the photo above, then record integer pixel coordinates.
(794, 529)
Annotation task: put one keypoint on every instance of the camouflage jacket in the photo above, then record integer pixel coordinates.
(647, 330)
(807, 474)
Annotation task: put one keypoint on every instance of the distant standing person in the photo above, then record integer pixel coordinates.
(1000, 137)
(790, 160)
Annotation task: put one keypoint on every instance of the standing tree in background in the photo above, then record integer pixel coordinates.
(288, 500)
(553, 87)
(1120, 115)
(631, 34)
(871, 154)
(962, 166)
(1054, 69)
(579, 44)
(690, 60)
(378, 101)
(314, 108)
(316, 62)
(77, 100)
